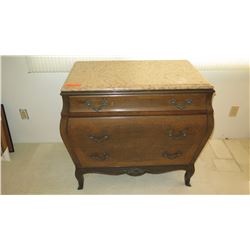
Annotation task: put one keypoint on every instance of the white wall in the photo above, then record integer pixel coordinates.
(232, 89)
(39, 93)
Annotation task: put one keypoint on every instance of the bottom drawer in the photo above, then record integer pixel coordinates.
(125, 157)
(136, 141)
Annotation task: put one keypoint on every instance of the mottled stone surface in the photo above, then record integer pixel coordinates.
(134, 75)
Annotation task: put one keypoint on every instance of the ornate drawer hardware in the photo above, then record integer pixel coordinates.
(99, 157)
(181, 105)
(104, 103)
(177, 136)
(98, 139)
(172, 156)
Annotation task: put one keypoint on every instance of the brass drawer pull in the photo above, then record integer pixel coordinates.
(98, 139)
(177, 136)
(172, 156)
(181, 105)
(104, 103)
(99, 157)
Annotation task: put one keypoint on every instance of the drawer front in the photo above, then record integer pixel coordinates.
(136, 141)
(128, 103)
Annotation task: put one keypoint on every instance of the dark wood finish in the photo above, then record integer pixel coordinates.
(148, 140)
(4, 143)
(102, 131)
(136, 132)
(131, 103)
(6, 140)
(79, 176)
(189, 173)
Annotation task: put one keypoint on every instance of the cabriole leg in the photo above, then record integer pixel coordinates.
(189, 173)
(79, 177)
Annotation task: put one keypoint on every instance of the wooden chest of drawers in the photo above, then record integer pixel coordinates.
(115, 124)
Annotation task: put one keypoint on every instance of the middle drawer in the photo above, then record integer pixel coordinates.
(137, 131)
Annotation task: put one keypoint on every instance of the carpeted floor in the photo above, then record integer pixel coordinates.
(222, 168)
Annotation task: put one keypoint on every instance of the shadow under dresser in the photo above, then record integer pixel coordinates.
(135, 117)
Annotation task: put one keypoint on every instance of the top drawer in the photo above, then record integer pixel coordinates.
(133, 103)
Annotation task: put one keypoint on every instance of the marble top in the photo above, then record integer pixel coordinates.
(134, 75)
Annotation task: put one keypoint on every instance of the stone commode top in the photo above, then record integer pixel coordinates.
(134, 75)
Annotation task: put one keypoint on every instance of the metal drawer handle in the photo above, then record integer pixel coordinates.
(103, 104)
(98, 139)
(177, 136)
(181, 105)
(172, 156)
(99, 157)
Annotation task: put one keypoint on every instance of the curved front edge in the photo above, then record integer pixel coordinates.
(64, 131)
(210, 126)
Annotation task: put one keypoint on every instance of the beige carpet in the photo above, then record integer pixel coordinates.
(222, 168)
